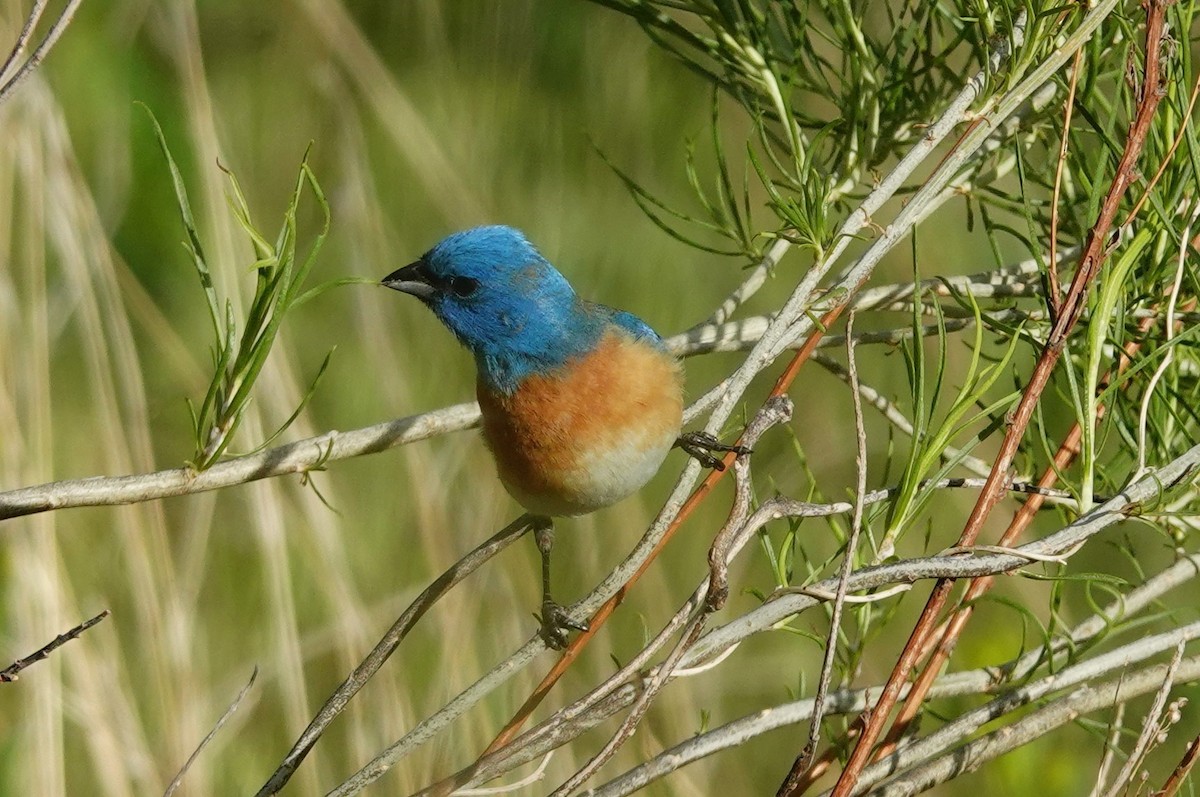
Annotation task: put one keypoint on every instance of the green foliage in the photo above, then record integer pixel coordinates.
(833, 89)
(238, 358)
(930, 443)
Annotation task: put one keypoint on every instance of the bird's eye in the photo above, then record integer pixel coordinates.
(463, 287)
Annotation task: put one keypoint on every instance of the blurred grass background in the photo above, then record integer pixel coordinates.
(425, 118)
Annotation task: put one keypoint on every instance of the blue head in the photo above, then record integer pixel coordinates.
(503, 301)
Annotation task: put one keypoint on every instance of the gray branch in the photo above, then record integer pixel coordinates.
(299, 457)
(1086, 699)
(852, 701)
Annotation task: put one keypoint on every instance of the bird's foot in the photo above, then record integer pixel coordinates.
(701, 446)
(557, 624)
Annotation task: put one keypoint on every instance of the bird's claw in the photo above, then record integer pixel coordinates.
(701, 445)
(556, 623)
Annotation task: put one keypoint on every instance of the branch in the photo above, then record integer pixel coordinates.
(850, 701)
(1150, 726)
(1033, 726)
(804, 759)
(1182, 769)
(11, 672)
(233, 706)
(299, 457)
(9, 84)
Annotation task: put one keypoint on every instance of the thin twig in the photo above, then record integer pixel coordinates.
(600, 703)
(386, 646)
(299, 457)
(1149, 726)
(1054, 299)
(1116, 725)
(754, 280)
(776, 410)
(237, 701)
(12, 672)
(31, 21)
(528, 780)
(805, 757)
(640, 707)
(1162, 167)
(52, 35)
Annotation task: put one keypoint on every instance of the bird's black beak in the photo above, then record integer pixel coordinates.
(412, 279)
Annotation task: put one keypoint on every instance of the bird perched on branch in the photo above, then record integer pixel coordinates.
(580, 402)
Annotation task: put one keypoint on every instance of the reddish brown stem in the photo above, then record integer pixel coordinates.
(1092, 257)
(1182, 769)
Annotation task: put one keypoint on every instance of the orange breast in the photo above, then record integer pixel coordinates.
(589, 433)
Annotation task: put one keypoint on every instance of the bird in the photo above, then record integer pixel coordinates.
(580, 402)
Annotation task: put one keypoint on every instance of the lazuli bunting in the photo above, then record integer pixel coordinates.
(580, 402)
